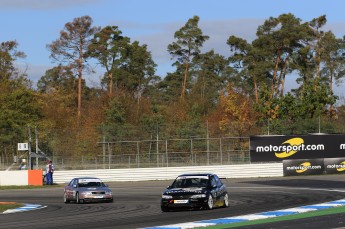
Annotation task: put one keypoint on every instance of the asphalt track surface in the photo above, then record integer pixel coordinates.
(137, 204)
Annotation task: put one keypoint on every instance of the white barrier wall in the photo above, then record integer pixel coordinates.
(13, 178)
(168, 173)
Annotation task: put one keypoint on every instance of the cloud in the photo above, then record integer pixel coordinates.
(46, 4)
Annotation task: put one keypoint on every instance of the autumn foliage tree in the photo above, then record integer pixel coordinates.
(71, 47)
(238, 115)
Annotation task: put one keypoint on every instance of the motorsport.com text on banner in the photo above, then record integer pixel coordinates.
(279, 148)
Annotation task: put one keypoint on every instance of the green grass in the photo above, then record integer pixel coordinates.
(29, 186)
(4, 207)
(329, 211)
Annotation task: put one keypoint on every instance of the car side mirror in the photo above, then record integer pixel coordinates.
(74, 186)
(169, 186)
(214, 186)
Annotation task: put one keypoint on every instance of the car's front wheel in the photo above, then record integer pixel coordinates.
(79, 201)
(164, 209)
(65, 199)
(210, 202)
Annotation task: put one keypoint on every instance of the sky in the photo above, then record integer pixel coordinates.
(36, 23)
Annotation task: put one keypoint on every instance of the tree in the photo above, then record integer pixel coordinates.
(211, 74)
(19, 107)
(333, 62)
(109, 47)
(72, 46)
(137, 69)
(8, 55)
(282, 37)
(317, 47)
(249, 62)
(237, 116)
(58, 78)
(189, 40)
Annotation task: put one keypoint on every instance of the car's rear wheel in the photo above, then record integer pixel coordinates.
(210, 202)
(65, 199)
(79, 201)
(226, 201)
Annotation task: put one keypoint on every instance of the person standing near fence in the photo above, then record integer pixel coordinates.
(49, 173)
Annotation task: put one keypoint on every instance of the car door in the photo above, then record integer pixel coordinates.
(214, 189)
(72, 189)
(221, 189)
(68, 189)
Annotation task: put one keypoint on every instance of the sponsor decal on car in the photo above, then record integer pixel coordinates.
(180, 201)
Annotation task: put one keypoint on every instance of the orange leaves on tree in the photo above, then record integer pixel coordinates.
(237, 112)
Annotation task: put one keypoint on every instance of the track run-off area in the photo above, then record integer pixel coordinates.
(137, 204)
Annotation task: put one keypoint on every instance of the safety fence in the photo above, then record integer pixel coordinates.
(145, 154)
(161, 153)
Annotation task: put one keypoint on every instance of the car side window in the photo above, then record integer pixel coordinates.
(213, 182)
(219, 182)
(71, 182)
(75, 182)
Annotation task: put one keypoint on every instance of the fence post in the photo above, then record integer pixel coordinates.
(220, 149)
(166, 152)
(109, 156)
(103, 145)
(208, 145)
(138, 154)
(191, 150)
(157, 147)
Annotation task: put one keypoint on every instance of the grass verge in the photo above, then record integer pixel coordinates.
(29, 186)
(5, 206)
(329, 211)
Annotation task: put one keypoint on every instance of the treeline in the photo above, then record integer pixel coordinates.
(207, 94)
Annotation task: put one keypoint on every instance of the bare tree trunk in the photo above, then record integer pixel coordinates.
(80, 79)
(110, 75)
(331, 108)
(275, 76)
(256, 90)
(183, 91)
(318, 61)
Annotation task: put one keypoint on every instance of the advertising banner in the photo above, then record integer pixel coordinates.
(334, 165)
(303, 167)
(283, 147)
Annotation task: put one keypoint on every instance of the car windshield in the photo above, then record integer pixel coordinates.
(189, 182)
(90, 183)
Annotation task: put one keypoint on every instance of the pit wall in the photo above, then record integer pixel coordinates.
(21, 178)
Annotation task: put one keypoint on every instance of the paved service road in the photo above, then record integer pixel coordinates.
(136, 204)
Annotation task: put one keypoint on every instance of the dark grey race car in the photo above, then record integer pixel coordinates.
(87, 189)
(195, 191)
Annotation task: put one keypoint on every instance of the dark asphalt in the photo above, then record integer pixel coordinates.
(136, 204)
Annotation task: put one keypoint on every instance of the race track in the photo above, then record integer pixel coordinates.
(136, 204)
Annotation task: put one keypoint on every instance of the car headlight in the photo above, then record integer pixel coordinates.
(166, 197)
(199, 196)
(108, 193)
